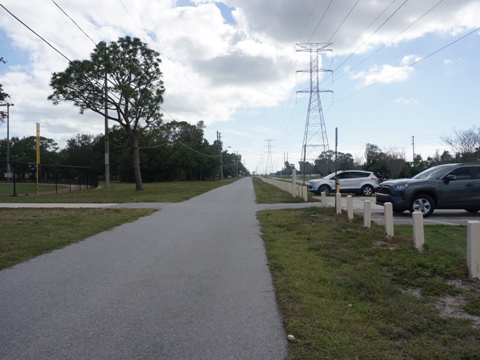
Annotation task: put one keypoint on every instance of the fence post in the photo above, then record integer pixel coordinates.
(305, 193)
(418, 233)
(367, 214)
(14, 179)
(338, 203)
(350, 207)
(473, 249)
(388, 214)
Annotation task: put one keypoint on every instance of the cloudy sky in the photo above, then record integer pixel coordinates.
(403, 74)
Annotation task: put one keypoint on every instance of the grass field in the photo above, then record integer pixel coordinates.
(26, 233)
(123, 193)
(348, 292)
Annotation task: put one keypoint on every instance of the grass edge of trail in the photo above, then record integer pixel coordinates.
(28, 233)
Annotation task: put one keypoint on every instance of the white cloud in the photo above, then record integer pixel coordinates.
(212, 69)
(404, 101)
(408, 60)
(447, 62)
(384, 74)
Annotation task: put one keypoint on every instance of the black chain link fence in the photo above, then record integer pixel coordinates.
(21, 179)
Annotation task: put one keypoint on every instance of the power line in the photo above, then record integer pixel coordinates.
(33, 31)
(319, 22)
(386, 44)
(373, 32)
(78, 26)
(345, 19)
(414, 63)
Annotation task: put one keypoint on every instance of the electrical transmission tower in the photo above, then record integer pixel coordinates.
(315, 138)
(269, 168)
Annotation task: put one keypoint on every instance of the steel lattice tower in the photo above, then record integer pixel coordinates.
(269, 168)
(315, 138)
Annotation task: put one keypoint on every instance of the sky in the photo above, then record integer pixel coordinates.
(403, 75)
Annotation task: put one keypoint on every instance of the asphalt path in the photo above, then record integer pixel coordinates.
(188, 282)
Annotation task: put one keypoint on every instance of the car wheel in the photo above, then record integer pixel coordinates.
(325, 189)
(367, 190)
(424, 204)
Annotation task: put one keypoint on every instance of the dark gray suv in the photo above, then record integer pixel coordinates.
(448, 186)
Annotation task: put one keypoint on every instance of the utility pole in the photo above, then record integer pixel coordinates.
(107, 141)
(315, 138)
(413, 145)
(8, 135)
(219, 146)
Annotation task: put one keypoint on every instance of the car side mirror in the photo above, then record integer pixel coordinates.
(449, 178)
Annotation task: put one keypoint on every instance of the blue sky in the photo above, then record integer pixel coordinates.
(233, 64)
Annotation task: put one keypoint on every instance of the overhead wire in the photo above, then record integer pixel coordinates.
(412, 64)
(93, 81)
(320, 21)
(371, 35)
(78, 26)
(388, 42)
(343, 21)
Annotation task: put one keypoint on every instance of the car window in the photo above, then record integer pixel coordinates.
(341, 176)
(476, 172)
(357, 174)
(435, 172)
(463, 173)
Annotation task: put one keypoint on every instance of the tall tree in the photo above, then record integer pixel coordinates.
(134, 87)
(465, 144)
(79, 151)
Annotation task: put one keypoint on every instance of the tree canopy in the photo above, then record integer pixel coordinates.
(126, 76)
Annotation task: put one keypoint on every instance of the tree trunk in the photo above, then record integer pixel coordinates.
(136, 163)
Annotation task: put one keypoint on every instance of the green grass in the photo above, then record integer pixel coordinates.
(27, 233)
(347, 292)
(124, 193)
(269, 194)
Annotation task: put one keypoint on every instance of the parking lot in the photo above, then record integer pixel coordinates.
(444, 217)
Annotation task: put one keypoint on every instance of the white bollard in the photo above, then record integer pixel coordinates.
(324, 199)
(418, 233)
(350, 207)
(338, 203)
(388, 214)
(305, 193)
(473, 249)
(367, 214)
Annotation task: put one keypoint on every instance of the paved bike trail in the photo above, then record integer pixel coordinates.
(187, 282)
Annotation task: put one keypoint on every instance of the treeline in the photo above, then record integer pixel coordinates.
(176, 151)
(392, 163)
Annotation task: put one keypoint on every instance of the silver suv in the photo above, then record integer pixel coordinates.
(351, 181)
